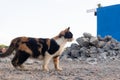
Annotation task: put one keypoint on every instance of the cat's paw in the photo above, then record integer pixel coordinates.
(21, 68)
(59, 69)
(45, 69)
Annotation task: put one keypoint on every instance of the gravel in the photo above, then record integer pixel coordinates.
(72, 70)
(93, 58)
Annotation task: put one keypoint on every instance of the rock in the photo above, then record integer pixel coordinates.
(84, 52)
(117, 46)
(91, 61)
(103, 55)
(87, 35)
(94, 47)
(75, 54)
(29, 62)
(94, 41)
(101, 44)
(75, 46)
(100, 50)
(78, 78)
(107, 38)
(100, 38)
(93, 50)
(83, 41)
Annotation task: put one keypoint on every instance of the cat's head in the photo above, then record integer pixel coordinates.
(67, 34)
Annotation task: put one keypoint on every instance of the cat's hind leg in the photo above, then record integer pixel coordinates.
(19, 59)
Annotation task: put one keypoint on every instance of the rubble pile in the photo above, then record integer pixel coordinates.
(89, 47)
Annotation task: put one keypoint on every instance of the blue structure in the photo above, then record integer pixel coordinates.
(108, 21)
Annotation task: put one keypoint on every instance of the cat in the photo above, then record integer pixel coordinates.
(39, 48)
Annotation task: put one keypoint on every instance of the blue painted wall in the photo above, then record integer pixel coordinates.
(108, 21)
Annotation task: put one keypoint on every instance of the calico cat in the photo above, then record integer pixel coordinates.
(39, 48)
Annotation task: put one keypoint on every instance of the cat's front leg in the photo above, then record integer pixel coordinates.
(46, 61)
(45, 67)
(56, 63)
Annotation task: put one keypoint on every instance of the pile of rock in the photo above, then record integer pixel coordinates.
(89, 46)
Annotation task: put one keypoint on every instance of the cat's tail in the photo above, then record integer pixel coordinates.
(9, 50)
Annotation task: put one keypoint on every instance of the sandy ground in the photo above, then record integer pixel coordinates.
(72, 70)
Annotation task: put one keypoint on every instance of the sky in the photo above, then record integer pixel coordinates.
(46, 18)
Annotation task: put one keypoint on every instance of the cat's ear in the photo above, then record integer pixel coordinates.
(67, 29)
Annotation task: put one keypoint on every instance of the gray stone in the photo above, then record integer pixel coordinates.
(101, 44)
(117, 46)
(107, 45)
(75, 46)
(94, 40)
(103, 55)
(75, 54)
(100, 38)
(69, 59)
(64, 57)
(87, 35)
(91, 61)
(83, 49)
(29, 62)
(107, 38)
(100, 50)
(93, 50)
(83, 41)
(112, 53)
(78, 78)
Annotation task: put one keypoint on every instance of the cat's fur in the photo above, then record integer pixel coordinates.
(39, 48)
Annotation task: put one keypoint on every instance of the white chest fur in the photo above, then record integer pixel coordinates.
(61, 42)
